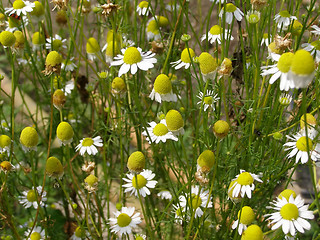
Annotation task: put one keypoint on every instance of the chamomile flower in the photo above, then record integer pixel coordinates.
(244, 184)
(253, 232)
(209, 99)
(143, 8)
(92, 48)
(316, 30)
(302, 69)
(29, 139)
(132, 59)
(162, 90)
(274, 53)
(285, 99)
(187, 56)
(165, 194)
(283, 19)
(31, 197)
(89, 145)
(208, 66)
(245, 217)
(290, 215)
(5, 143)
(153, 30)
(6, 166)
(216, 34)
(55, 43)
(280, 70)
(38, 40)
(265, 39)
(65, 133)
(36, 234)
(300, 144)
(79, 234)
(5, 125)
(175, 122)
(158, 132)
(197, 200)
(173, 6)
(140, 182)
(179, 213)
(14, 24)
(230, 11)
(68, 65)
(124, 221)
(313, 48)
(20, 7)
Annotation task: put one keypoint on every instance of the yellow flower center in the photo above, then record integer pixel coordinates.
(272, 48)
(18, 4)
(4, 141)
(287, 193)
(112, 49)
(310, 119)
(31, 196)
(118, 84)
(179, 212)
(284, 101)
(160, 129)
(7, 38)
(208, 100)
(302, 144)
(87, 142)
(206, 159)
(174, 120)
(64, 131)
(92, 46)
(185, 57)
(91, 180)
(4, 124)
(284, 14)
(254, 18)
(302, 63)
(38, 9)
(123, 220)
(162, 84)
(38, 38)
(53, 59)
(29, 137)
(252, 232)
(136, 161)
(6, 166)
(215, 30)
(162, 21)
(247, 215)
(207, 63)
(35, 236)
(56, 44)
(285, 61)
(265, 35)
(153, 27)
(139, 181)
(245, 178)
(54, 167)
(143, 4)
(289, 211)
(221, 128)
(132, 56)
(195, 201)
(79, 232)
(230, 7)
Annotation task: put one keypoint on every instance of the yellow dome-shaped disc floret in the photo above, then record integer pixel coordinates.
(285, 61)
(185, 57)
(230, 7)
(206, 160)
(7, 38)
(253, 232)
(118, 84)
(153, 27)
(112, 49)
(54, 167)
(59, 99)
(29, 137)
(113, 37)
(20, 40)
(162, 84)
(246, 215)
(310, 119)
(5, 141)
(80, 232)
(296, 28)
(65, 132)
(162, 21)
(53, 59)
(132, 56)
(215, 30)
(287, 193)
(92, 46)
(207, 63)
(174, 121)
(38, 9)
(143, 4)
(123, 220)
(272, 48)
(221, 128)
(18, 4)
(91, 180)
(6, 166)
(38, 38)
(136, 162)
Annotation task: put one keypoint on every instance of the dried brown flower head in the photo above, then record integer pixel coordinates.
(60, 4)
(283, 43)
(258, 4)
(109, 8)
(88, 167)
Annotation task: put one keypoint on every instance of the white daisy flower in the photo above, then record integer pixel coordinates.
(285, 99)
(173, 6)
(124, 221)
(13, 24)
(299, 144)
(5, 125)
(280, 70)
(153, 30)
(20, 7)
(89, 145)
(30, 198)
(209, 99)
(158, 132)
(187, 56)
(197, 200)
(230, 11)
(68, 65)
(141, 183)
(179, 213)
(265, 39)
(37, 233)
(5, 143)
(243, 184)
(291, 215)
(316, 30)
(143, 8)
(165, 195)
(162, 90)
(132, 59)
(55, 43)
(273, 53)
(79, 234)
(217, 1)
(69, 87)
(245, 217)
(313, 48)
(216, 33)
(284, 19)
